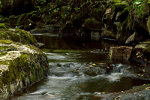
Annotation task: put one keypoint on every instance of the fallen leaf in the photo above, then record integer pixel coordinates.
(93, 64)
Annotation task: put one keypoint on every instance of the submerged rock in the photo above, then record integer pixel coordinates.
(20, 66)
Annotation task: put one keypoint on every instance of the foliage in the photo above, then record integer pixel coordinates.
(2, 25)
(138, 8)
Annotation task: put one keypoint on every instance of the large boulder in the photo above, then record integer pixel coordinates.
(21, 64)
(141, 54)
(144, 47)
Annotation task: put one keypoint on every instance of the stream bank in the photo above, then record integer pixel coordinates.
(85, 21)
(83, 71)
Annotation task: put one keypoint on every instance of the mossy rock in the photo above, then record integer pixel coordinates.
(136, 93)
(17, 35)
(144, 46)
(20, 66)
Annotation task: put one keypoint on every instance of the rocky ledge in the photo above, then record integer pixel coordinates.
(21, 64)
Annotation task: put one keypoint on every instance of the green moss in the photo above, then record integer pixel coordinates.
(17, 69)
(20, 19)
(22, 67)
(26, 37)
(2, 25)
(18, 35)
(7, 48)
(147, 49)
(6, 41)
(61, 51)
(4, 62)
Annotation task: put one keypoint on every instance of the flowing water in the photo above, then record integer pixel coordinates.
(79, 71)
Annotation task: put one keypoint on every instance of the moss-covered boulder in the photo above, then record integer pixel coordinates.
(21, 63)
(141, 54)
(17, 35)
(20, 66)
(144, 46)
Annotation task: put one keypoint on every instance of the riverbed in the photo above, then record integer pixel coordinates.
(80, 71)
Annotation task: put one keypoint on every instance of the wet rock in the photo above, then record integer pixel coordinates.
(144, 46)
(93, 71)
(95, 36)
(136, 93)
(45, 29)
(141, 53)
(20, 66)
(121, 53)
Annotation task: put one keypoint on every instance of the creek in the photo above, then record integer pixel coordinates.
(80, 71)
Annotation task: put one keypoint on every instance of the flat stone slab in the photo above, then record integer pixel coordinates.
(121, 53)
